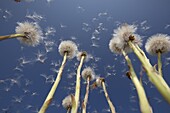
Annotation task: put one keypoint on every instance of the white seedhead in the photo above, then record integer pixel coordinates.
(68, 102)
(68, 46)
(82, 53)
(32, 32)
(88, 72)
(122, 35)
(158, 43)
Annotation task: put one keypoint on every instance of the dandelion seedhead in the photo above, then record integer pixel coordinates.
(122, 35)
(99, 81)
(82, 53)
(158, 43)
(68, 102)
(116, 46)
(88, 72)
(32, 32)
(68, 46)
(124, 31)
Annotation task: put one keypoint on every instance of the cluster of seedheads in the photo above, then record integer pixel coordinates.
(124, 41)
(68, 50)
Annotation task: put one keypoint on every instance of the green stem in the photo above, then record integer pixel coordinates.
(11, 36)
(143, 101)
(153, 75)
(77, 92)
(159, 64)
(54, 87)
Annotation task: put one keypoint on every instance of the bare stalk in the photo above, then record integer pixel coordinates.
(54, 87)
(107, 97)
(153, 75)
(159, 64)
(11, 36)
(143, 101)
(77, 92)
(84, 106)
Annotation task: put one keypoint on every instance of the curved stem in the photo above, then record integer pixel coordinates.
(11, 36)
(108, 99)
(77, 92)
(159, 64)
(54, 87)
(84, 106)
(143, 101)
(153, 75)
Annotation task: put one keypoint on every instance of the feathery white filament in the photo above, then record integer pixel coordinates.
(158, 43)
(32, 31)
(68, 46)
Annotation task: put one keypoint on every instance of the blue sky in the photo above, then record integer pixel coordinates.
(90, 24)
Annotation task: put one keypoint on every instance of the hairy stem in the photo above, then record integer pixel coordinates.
(54, 87)
(77, 92)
